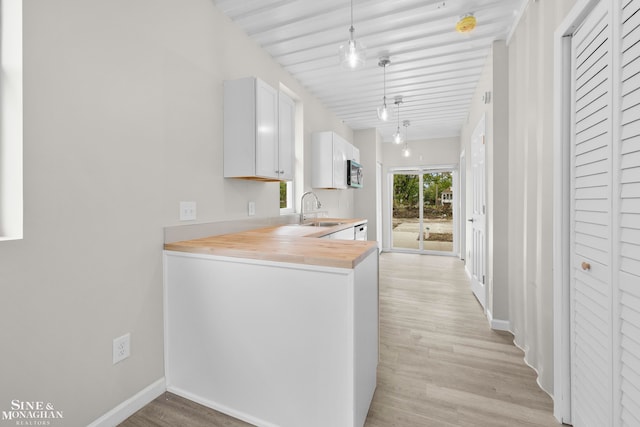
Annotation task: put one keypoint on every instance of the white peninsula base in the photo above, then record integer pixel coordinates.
(273, 344)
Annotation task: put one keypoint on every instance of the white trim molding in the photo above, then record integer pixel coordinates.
(497, 324)
(11, 117)
(130, 406)
(240, 415)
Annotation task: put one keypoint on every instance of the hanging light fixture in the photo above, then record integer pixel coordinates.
(397, 137)
(352, 54)
(383, 111)
(406, 152)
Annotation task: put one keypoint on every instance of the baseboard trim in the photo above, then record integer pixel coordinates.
(130, 406)
(497, 324)
(501, 325)
(220, 408)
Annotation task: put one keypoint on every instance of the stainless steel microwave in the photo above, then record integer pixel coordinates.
(354, 174)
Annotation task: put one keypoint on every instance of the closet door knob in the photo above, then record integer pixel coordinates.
(586, 266)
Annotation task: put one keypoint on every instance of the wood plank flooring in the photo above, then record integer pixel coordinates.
(440, 364)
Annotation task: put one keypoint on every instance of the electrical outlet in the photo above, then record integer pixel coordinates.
(252, 208)
(121, 348)
(187, 211)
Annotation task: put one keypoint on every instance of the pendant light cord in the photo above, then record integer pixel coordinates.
(351, 29)
(351, 13)
(384, 84)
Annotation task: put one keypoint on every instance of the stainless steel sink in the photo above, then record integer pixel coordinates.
(323, 223)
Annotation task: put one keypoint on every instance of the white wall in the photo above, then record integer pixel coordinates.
(122, 120)
(519, 126)
(494, 82)
(424, 153)
(370, 144)
(531, 183)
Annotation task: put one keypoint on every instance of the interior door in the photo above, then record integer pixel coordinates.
(379, 205)
(462, 203)
(478, 217)
(590, 272)
(628, 215)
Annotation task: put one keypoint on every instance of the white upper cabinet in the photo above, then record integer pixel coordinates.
(251, 131)
(356, 154)
(329, 154)
(287, 134)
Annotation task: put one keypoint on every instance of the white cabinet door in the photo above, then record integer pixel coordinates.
(322, 160)
(356, 154)
(340, 148)
(250, 129)
(346, 234)
(266, 130)
(286, 132)
(329, 157)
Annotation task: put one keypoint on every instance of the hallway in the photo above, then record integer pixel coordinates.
(440, 364)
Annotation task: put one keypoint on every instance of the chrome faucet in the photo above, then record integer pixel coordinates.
(318, 204)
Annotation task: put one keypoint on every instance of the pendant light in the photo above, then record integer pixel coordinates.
(383, 111)
(352, 54)
(397, 137)
(406, 152)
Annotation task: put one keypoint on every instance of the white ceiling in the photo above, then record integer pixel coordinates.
(434, 68)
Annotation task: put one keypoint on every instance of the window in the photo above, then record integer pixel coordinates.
(11, 120)
(286, 197)
(290, 125)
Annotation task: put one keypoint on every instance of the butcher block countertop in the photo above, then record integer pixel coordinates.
(299, 244)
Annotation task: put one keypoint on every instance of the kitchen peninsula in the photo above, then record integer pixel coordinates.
(275, 326)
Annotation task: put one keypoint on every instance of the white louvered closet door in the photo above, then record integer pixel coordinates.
(628, 234)
(591, 230)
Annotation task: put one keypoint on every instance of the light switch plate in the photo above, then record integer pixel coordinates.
(187, 211)
(252, 208)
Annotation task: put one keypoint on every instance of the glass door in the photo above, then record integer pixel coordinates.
(407, 215)
(423, 211)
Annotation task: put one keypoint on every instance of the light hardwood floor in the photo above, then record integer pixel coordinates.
(440, 364)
